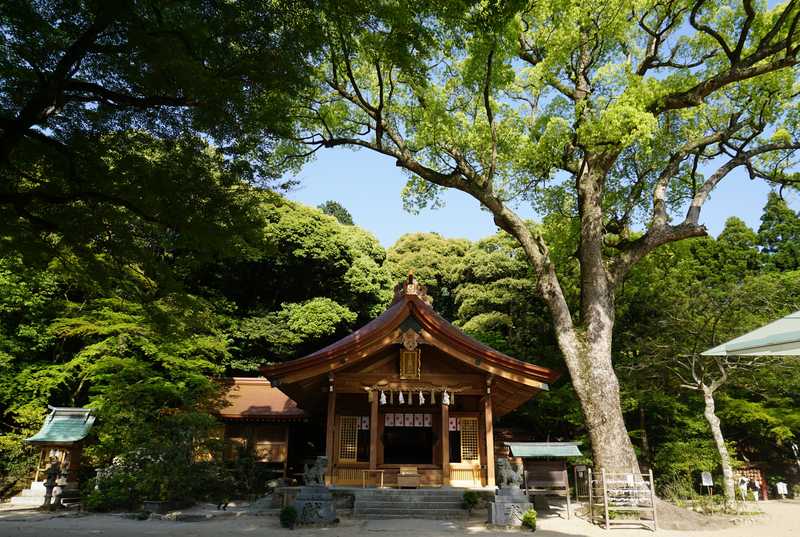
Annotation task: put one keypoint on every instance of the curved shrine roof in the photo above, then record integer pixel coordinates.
(382, 331)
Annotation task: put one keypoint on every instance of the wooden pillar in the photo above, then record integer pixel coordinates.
(330, 432)
(489, 429)
(286, 452)
(373, 432)
(445, 445)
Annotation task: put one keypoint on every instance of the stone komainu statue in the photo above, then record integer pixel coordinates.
(508, 476)
(315, 475)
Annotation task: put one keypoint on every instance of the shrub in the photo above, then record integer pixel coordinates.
(529, 519)
(470, 499)
(796, 491)
(288, 517)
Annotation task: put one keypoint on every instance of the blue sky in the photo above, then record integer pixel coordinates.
(369, 186)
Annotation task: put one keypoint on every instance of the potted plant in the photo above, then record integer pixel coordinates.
(529, 519)
(288, 517)
(470, 500)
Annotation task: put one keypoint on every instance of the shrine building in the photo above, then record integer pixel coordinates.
(408, 399)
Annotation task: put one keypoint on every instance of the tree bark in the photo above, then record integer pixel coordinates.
(586, 348)
(722, 449)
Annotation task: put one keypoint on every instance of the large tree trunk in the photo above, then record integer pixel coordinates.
(596, 384)
(722, 449)
(586, 348)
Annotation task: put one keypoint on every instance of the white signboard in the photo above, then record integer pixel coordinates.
(708, 481)
(783, 490)
(427, 420)
(398, 420)
(408, 420)
(452, 424)
(388, 420)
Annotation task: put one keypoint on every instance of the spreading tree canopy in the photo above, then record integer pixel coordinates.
(105, 109)
(622, 115)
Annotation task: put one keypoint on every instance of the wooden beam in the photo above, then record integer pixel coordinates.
(480, 363)
(445, 445)
(373, 432)
(489, 428)
(330, 436)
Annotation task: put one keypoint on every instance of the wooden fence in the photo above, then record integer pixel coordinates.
(616, 499)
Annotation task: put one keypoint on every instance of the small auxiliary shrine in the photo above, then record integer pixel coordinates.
(409, 390)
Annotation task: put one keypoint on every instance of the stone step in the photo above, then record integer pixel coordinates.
(409, 493)
(399, 512)
(410, 504)
(27, 500)
(35, 493)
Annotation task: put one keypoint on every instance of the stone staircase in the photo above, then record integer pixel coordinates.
(435, 504)
(33, 496)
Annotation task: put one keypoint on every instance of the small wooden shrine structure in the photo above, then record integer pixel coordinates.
(60, 442)
(409, 390)
(61, 437)
(258, 420)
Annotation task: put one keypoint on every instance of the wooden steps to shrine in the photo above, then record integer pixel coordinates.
(435, 504)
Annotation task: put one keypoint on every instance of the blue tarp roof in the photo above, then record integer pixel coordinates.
(544, 449)
(64, 426)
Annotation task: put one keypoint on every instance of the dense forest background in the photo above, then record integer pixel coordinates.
(142, 338)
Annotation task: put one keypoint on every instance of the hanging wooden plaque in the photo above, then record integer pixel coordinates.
(410, 366)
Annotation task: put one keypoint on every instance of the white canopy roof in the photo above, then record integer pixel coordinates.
(778, 338)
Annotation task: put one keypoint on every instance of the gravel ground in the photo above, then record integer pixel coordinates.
(781, 519)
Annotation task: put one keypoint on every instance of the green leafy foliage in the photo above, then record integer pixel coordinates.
(288, 517)
(470, 499)
(529, 519)
(336, 210)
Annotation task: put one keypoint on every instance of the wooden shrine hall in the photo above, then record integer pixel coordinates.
(409, 393)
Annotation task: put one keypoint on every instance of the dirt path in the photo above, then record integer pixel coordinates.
(781, 519)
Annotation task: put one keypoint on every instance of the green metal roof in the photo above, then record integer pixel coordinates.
(64, 426)
(544, 449)
(778, 338)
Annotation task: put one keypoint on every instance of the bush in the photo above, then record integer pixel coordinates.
(529, 519)
(470, 499)
(288, 517)
(796, 491)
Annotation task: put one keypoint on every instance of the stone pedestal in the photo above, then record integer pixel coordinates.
(315, 505)
(509, 504)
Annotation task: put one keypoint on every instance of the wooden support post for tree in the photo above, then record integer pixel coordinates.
(653, 500)
(605, 497)
(566, 480)
(591, 495)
